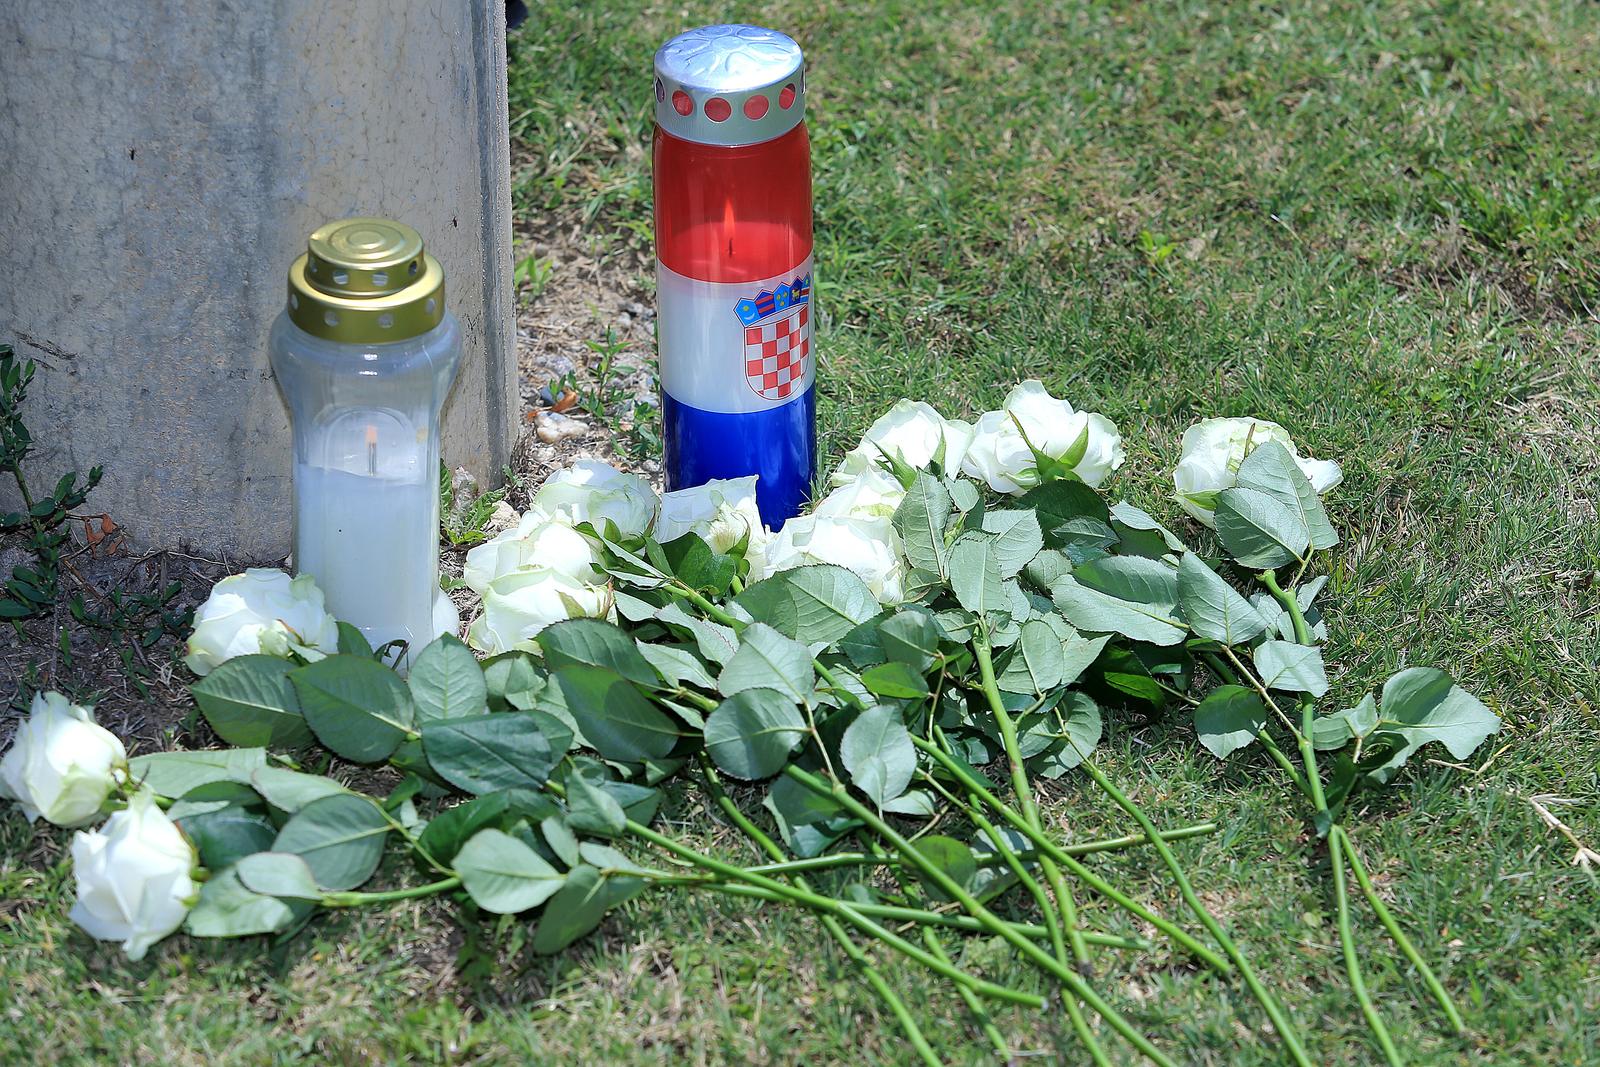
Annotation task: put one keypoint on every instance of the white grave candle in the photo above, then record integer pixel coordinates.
(371, 542)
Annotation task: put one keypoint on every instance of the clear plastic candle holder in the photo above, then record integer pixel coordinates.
(365, 354)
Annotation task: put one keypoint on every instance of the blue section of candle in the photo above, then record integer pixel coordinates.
(779, 445)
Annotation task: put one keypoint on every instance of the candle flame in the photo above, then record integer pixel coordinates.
(372, 436)
(727, 224)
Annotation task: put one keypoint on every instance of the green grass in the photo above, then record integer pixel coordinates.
(1376, 223)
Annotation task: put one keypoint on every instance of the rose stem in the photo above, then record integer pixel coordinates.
(873, 976)
(974, 908)
(1047, 847)
(1269, 1003)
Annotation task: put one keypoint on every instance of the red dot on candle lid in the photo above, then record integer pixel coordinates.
(786, 97)
(681, 102)
(755, 107)
(718, 109)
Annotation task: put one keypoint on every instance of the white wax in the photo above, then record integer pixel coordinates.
(371, 543)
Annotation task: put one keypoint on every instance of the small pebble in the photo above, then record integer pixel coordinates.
(552, 426)
(560, 366)
(502, 518)
(546, 397)
(651, 466)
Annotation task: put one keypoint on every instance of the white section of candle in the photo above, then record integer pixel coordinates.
(701, 341)
(369, 541)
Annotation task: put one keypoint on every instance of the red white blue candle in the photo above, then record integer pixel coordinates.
(733, 264)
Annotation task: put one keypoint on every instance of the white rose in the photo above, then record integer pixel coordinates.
(1213, 450)
(1000, 454)
(61, 765)
(591, 491)
(869, 547)
(721, 512)
(135, 877)
(536, 539)
(873, 494)
(916, 433)
(261, 610)
(516, 606)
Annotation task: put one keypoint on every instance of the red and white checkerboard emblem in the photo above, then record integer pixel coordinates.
(775, 353)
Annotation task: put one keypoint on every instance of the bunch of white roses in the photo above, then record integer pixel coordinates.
(136, 874)
(545, 569)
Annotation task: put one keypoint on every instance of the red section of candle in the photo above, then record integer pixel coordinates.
(733, 214)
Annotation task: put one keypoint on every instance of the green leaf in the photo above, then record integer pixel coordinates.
(911, 636)
(949, 856)
(172, 774)
(1097, 611)
(504, 750)
(896, 680)
(697, 566)
(446, 682)
(504, 876)
(716, 642)
(1141, 535)
(1058, 503)
(580, 906)
(1213, 608)
(808, 823)
(1079, 726)
(512, 680)
(592, 810)
(1035, 664)
(1290, 667)
(357, 707)
(608, 860)
(751, 734)
(1271, 469)
(214, 796)
(1334, 731)
(616, 720)
(562, 841)
(292, 790)
(878, 753)
(1017, 539)
(1228, 719)
(340, 838)
(227, 909)
(1422, 704)
(249, 701)
(1125, 672)
(1259, 530)
(922, 518)
(975, 575)
(766, 659)
(446, 832)
(224, 836)
(811, 604)
(677, 666)
(278, 874)
(593, 643)
(352, 642)
(963, 494)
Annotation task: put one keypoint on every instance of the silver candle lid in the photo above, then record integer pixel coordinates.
(730, 85)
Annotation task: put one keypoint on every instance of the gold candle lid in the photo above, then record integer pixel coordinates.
(366, 281)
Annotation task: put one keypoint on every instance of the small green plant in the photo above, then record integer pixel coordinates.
(465, 523)
(1156, 248)
(531, 275)
(32, 589)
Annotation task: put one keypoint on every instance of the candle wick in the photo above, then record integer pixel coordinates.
(372, 450)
